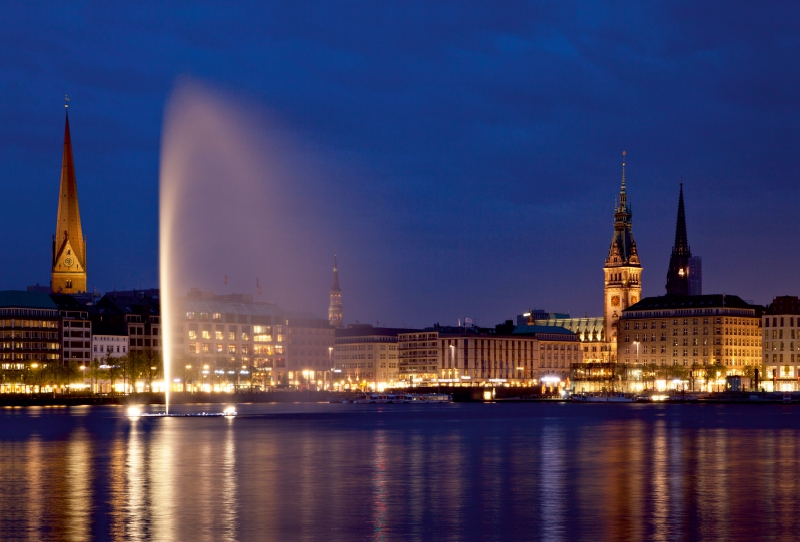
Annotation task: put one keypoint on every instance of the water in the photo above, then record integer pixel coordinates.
(403, 472)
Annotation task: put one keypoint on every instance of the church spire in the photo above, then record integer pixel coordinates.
(623, 247)
(335, 313)
(623, 270)
(681, 242)
(69, 245)
(678, 272)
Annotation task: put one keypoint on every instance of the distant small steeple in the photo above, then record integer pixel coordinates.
(335, 313)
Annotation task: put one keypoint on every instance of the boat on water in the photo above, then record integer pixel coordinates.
(602, 397)
(403, 398)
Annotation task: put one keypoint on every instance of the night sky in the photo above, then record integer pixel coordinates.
(461, 158)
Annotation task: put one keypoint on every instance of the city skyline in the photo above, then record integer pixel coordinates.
(458, 228)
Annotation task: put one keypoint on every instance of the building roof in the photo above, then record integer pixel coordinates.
(369, 331)
(785, 304)
(66, 302)
(690, 302)
(587, 329)
(554, 330)
(26, 300)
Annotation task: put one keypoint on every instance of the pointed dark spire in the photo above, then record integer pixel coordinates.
(681, 242)
(678, 272)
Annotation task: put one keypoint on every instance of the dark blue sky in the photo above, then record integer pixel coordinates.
(467, 155)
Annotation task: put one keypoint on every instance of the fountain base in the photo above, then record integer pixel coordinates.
(134, 412)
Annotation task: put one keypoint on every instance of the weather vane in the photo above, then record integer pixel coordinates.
(66, 101)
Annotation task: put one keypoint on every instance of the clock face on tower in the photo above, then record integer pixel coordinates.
(615, 300)
(68, 262)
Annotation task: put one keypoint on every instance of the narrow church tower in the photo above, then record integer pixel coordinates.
(623, 271)
(678, 272)
(69, 245)
(335, 316)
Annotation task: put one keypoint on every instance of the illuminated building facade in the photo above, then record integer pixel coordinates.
(68, 274)
(76, 328)
(781, 344)
(691, 332)
(235, 341)
(622, 271)
(366, 357)
(470, 356)
(30, 338)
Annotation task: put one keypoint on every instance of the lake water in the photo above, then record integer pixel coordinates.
(526, 471)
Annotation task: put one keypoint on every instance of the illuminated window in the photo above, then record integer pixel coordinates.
(192, 334)
(219, 349)
(231, 336)
(231, 349)
(205, 348)
(216, 317)
(206, 334)
(192, 348)
(280, 338)
(218, 335)
(190, 316)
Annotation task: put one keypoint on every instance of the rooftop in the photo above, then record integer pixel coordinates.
(26, 300)
(691, 302)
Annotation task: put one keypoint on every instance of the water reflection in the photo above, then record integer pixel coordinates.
(460, 472)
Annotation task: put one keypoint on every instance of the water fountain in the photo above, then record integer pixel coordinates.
(219, 172)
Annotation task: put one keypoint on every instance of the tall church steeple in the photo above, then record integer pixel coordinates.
(335, 314)
(678, 272)
(69, 245)
(623, 270)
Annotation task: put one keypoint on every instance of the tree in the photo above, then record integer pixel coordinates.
(715, 371)
(94, 373)
(112, 369)
(152, 367)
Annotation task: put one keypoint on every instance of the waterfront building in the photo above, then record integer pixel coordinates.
(68, 273)
(30, 340)
(623, 270)
(366, 357)
(781, 344)
(508, 354)
(76, 329)
(233, 341)
(591, 334)
(690, 341)
(109, 343)
(679, 270)
(138, 313)
(335, 311)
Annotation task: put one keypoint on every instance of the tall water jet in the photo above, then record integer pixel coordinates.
(231, 187)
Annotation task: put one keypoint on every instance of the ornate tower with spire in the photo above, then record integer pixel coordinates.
(678, 272)
(335, 315)
(623, 271)
(69, 246)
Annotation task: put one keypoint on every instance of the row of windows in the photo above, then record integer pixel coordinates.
(776, 319)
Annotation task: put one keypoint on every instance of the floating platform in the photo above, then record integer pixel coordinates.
(134, 412)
